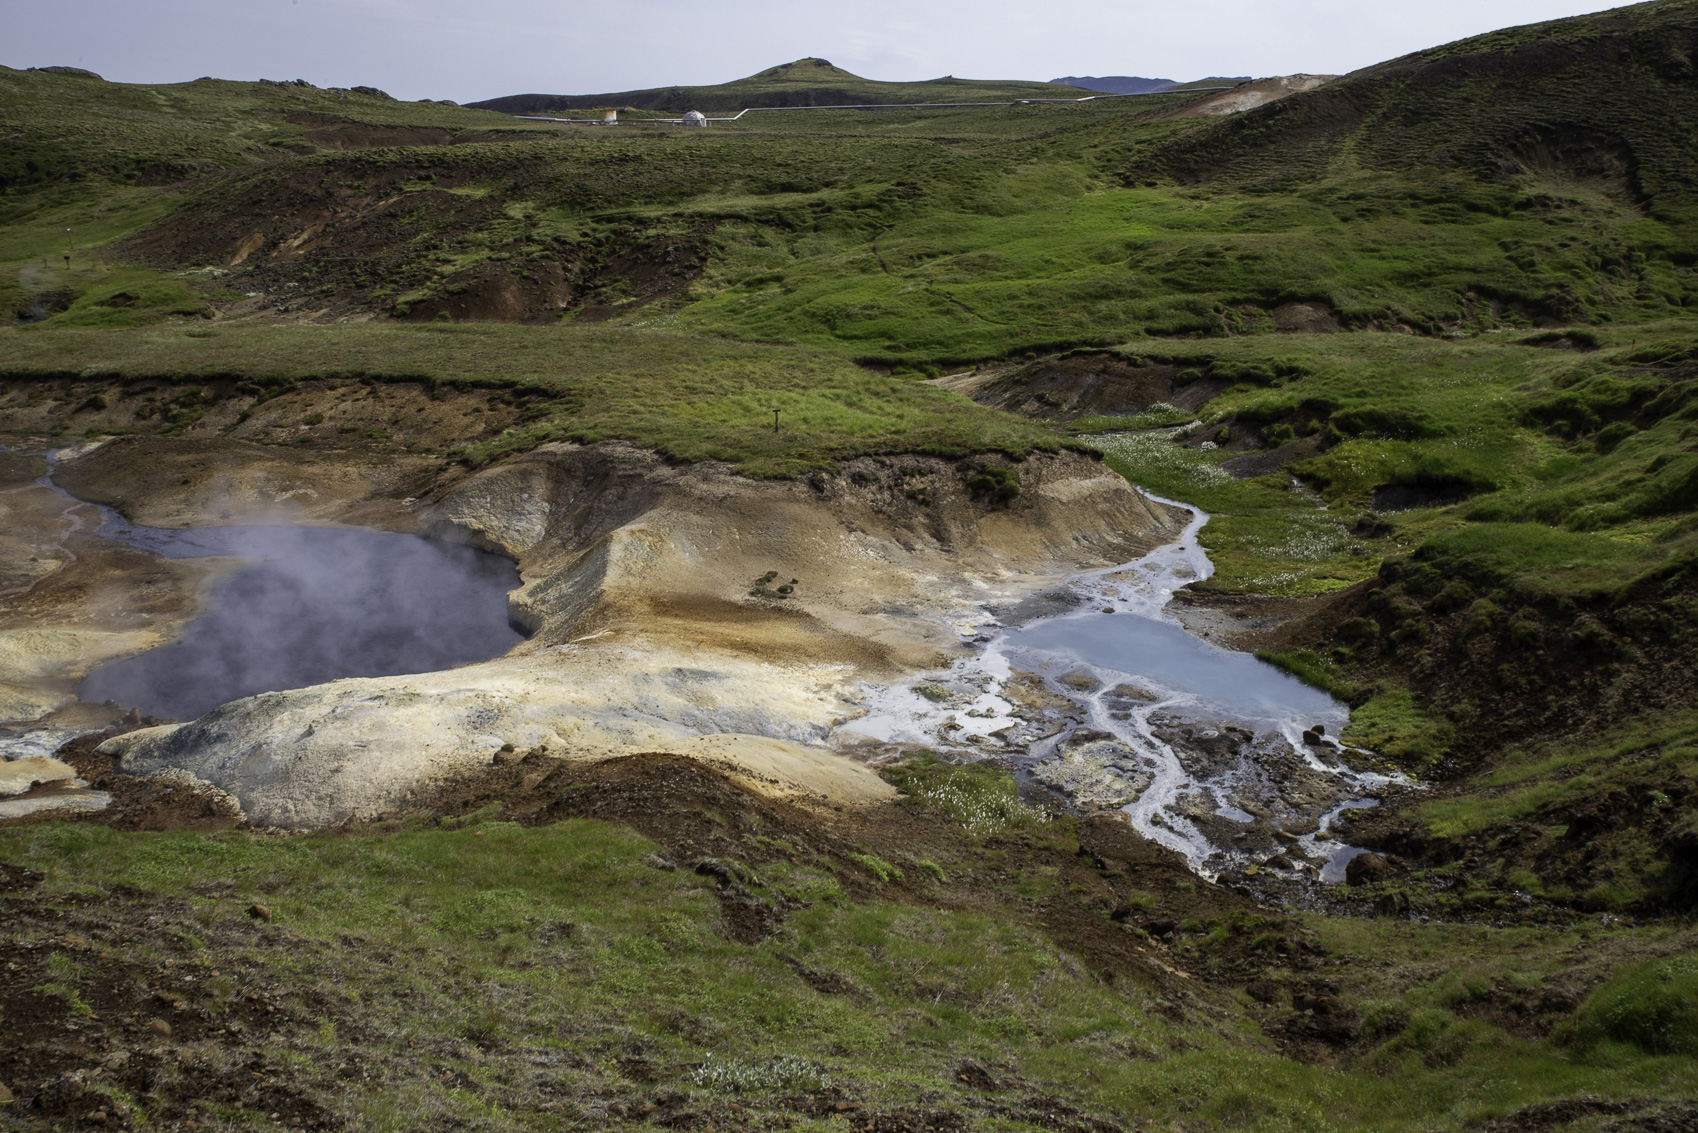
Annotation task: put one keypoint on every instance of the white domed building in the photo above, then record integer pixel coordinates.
(694, 118)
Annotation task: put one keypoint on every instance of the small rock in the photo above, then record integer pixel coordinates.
(1318, 729)
(5, 1096)
(1315, 1004)
(1392, 905)
(1365, 869)
(1263, 991)
(1278, 861)
(260, 913)
(160, 1027)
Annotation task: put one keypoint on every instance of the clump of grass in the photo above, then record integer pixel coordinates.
(63, 985)
(997, 483)
(878, 867)
(741, 1076)
(1653, 1005)
(983, 797)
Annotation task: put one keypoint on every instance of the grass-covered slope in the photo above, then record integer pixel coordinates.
(62, 128)
(959, 962)
(1607, 98)
(686, 397)
(805, 82)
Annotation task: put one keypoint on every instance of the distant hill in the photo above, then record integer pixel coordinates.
(1116, 84)
(1129, 84)
(806, 82)
(64, 124)
(1606, 98)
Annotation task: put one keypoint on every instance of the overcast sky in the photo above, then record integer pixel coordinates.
(473, 49)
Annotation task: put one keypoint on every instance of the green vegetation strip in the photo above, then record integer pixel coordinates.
(687, 397)
(515, 978)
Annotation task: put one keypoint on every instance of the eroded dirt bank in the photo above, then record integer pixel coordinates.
(675, 608)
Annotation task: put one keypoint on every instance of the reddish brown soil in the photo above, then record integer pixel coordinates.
(703, 822)
(1089, 384)
(325, 246)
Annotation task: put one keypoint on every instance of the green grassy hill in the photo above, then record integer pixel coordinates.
(62, 128)
(806, 82)
(1605, 99)
(1432, 324)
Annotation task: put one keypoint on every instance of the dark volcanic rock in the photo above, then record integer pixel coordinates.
(1365, 869)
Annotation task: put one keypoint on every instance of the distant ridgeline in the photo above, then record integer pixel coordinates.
(806, 82)
(1130, 84)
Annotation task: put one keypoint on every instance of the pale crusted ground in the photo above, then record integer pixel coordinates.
(69, 602)
(654, 630)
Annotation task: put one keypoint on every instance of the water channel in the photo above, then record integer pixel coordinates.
(1113, 704)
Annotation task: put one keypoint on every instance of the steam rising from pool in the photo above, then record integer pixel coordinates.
(314, 604)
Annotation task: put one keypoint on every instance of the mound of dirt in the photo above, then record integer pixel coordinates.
(320, 243)
(1085, 384)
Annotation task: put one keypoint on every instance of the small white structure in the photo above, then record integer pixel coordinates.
(610, 117)
(695, 118)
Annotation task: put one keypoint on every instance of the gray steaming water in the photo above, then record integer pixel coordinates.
(315, 604)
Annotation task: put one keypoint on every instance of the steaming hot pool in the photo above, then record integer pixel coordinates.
(314, 604)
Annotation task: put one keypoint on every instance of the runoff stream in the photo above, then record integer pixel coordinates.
(1114, 705)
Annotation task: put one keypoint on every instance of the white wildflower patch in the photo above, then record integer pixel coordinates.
(1155, 452)
(737, 1076)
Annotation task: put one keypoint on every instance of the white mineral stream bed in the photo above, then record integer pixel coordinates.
(1098, 695)
(1184, 736)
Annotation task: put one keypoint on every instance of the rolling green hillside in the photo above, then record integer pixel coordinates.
(805, 82)
(61, 128)
(1606, 100)
(1421, 340)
